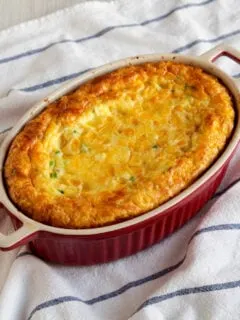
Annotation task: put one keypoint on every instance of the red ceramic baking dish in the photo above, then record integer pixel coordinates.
(99, 245)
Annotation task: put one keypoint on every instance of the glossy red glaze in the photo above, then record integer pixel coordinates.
(102, 248)
(116, 243)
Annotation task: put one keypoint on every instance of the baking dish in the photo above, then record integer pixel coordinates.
(98, 245)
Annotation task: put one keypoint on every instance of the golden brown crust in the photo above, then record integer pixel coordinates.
(119, 145)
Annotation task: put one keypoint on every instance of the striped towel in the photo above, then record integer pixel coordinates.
(195, 273)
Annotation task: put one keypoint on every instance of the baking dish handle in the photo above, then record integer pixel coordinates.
(223, 50)
(26, 233)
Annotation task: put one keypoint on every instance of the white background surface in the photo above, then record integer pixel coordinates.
(16, 11)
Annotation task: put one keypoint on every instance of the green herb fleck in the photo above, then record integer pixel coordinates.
(74, 131)
(84, 148)
(132, 179)
(155, 146)
(53, 174)
(51, 163)
(57, 152)
(61, 191)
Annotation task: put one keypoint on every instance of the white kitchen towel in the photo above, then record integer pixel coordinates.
(193, 274)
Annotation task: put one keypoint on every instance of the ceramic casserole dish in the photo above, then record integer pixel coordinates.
(107, 243)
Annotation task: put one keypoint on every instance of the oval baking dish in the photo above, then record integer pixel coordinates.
(103, 244)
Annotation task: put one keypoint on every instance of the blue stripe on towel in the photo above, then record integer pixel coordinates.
(220, 227)
(213, 40)
(107, 296)
(138, 282)
(54, 81)
(76, 74)
(5, 130)
(103, 32)
(187, 291)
